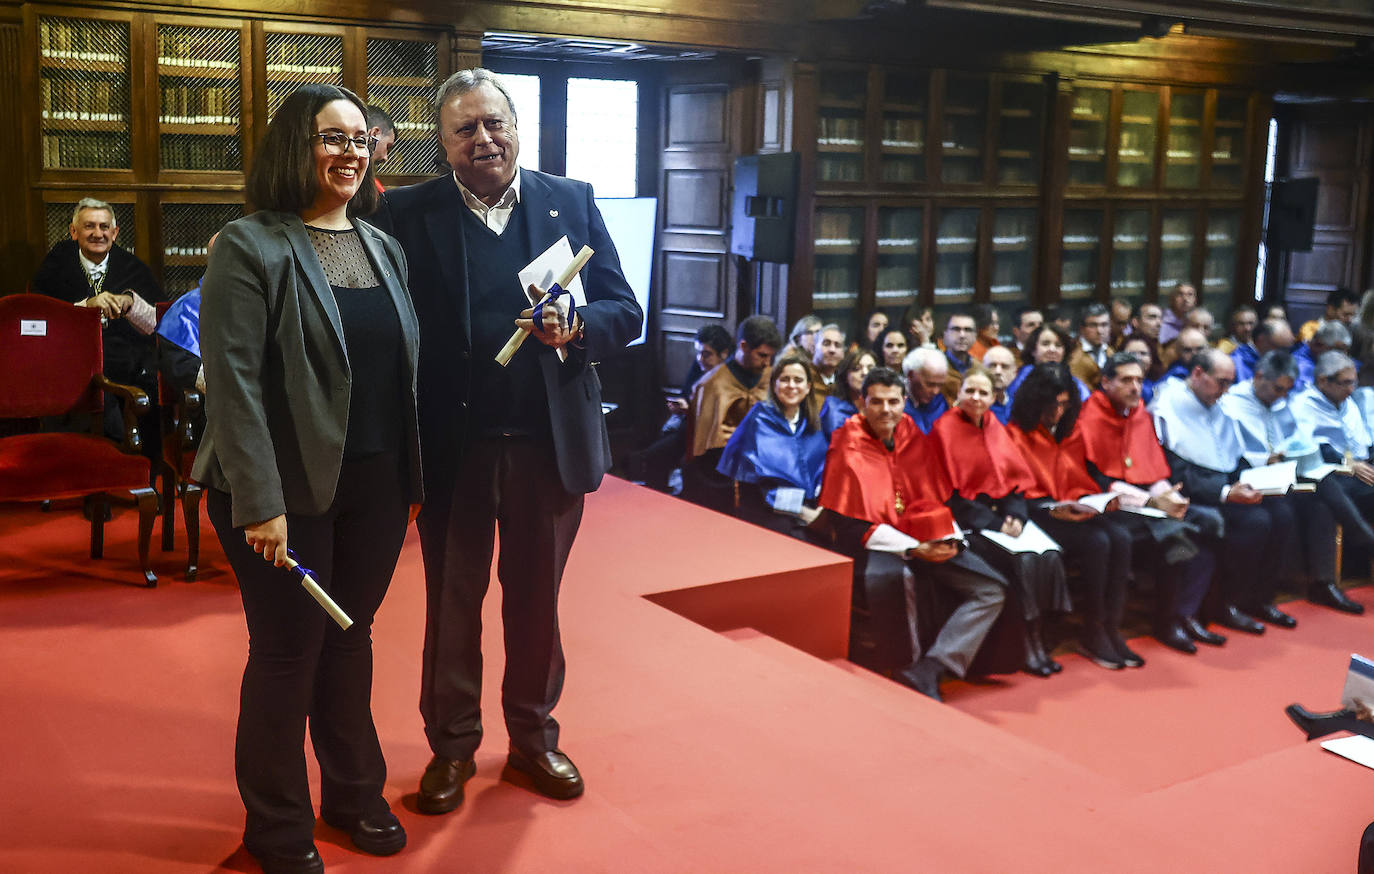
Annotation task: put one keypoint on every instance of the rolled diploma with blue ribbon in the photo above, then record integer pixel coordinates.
(559, 285)
(320, 595)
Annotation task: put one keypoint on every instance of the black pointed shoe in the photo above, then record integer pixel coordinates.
(1172, 634)
(1197, 631)
(1330, 595)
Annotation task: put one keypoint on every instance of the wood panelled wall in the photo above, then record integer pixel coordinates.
(14, 243)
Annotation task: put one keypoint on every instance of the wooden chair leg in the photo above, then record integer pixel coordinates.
(168, 509)
(190, 507)
(95, 508)
(147, 514)
(1340, 543)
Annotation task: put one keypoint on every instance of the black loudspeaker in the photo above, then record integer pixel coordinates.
(1292, 213)
(764, 216)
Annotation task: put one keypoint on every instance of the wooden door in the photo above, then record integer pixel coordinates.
(1333, 144)
(702, 127)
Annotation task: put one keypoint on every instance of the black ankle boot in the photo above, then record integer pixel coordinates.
(1321, 724)
(1097, 646)
(1037, 662)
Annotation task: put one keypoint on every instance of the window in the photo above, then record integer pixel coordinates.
(524, 93)
(603, 124)
(1262, 264)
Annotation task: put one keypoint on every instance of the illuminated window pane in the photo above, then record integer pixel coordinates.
(603, 118)
(524, 93)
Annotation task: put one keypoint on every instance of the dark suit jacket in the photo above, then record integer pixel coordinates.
(277, 379)
(425, 218)
(60, 276)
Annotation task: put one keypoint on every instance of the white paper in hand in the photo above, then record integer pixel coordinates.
(542, 271)
(1271, 479)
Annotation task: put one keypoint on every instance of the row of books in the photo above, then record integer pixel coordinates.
(216, 104)
(841, 129)
(83, 40)
(183, 47)
(835, 283)
(409, 111)
(201, 153)
(831, 169)
(94, 151)
(85, 100)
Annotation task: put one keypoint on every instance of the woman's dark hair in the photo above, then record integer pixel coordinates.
(877, 350)
(1039, 391)
(1028, 351)
(811, 404)
(283, 173)
(848, 365)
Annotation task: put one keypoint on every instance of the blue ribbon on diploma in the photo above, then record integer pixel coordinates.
(551, 297)
(319, 594)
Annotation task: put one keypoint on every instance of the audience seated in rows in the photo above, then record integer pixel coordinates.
(826, 358)
(1045, 345)
(847, 394)
(1342, 305)
(1270, 335)
(1092, 349)
(653, 465)
(1000, 365)
(926, 372)
(1182, 301)
(890, 349)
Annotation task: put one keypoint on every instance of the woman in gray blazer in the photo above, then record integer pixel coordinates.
(310, 347)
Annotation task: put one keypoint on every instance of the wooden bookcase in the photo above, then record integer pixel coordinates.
(948, 187)
(159, 114)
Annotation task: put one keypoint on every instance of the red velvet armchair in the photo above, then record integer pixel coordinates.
(50, 365)
(180, 440)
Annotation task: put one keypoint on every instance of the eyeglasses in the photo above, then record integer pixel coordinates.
(336, 143)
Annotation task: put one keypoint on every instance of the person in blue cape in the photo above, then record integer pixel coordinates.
(178, 340)
(845, 398)
(777, 454)
(925, 371)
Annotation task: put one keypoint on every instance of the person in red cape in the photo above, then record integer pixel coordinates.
(882, 499)
(1044, 420)
(1123, 454)
(990, 482)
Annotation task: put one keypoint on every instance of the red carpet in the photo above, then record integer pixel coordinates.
(706, 747)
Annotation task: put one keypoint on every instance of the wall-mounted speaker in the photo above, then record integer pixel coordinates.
(764, 213)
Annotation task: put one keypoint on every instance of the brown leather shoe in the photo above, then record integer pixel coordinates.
(441, 788)
(552, 773)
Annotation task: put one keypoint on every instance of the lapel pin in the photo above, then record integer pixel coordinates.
(553, 213)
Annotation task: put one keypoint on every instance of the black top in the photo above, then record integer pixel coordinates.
(510, 400)
(372, 340)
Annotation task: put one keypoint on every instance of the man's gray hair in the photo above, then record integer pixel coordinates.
(1276, 364)
(1332, 363)
(831, 326)
(803, 325)
(86, 203)
(1332, 333)
(919, 359)
(463, 81)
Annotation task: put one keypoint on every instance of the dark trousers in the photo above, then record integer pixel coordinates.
(1246, 553)
(302, 665)
(1102, 551)
(514, 484)
(1351, 504)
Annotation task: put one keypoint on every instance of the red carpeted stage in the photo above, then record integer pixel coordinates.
(736, 741)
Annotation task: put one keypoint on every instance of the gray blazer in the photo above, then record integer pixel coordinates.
(276, 367)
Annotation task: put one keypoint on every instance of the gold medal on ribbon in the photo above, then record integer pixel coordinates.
(897, 503)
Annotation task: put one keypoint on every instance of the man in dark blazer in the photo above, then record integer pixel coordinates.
(90, 270)
(515, 447)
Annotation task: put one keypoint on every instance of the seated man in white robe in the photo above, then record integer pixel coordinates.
(1327, 411)
(1203, 446)
(1271, 434)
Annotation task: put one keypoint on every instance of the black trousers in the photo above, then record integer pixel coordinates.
(302, 665)
(1102, 551)
(512, 484)
(1351, 505)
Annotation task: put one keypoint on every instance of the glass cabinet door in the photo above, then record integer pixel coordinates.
(294, 59)
(840, 118)
(839, 257)
(1019, 133)
(1130, 249)
(199, 111)
(1183, 158)
(965, 129)
(1219, 265)
(899, 256)
(1013, 254)
(1082, 249)
(1135, 150)
(956, 255)
(906, 98)
(83, 93)
(1176, 248)
(1228, 143)
(1088, 136)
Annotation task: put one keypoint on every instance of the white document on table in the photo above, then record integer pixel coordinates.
(1271, 479)
(542, 271)
(1032, 539)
